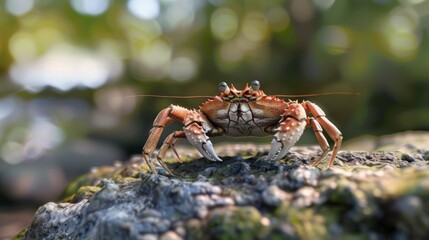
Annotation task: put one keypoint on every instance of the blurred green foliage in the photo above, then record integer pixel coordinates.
(77, 62)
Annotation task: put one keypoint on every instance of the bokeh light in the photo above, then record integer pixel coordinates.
(144, 9)
(335, 39)
(324, 4)
(19, 7)
(156, 56)
(255, 27)
(179, 14)
(399, 30)
(90, 7)
(23, 47)
(32, 142)
(224, 24)
(278, 19)
(64, 67)
(182, 68)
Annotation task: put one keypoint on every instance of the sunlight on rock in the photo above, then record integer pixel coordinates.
(224, 24)
(90, 7)
(64, 67)
(19, 7)
(335, 39)
(144, 9)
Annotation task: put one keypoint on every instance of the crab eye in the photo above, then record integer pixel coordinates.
(255, 85)
(223, 87)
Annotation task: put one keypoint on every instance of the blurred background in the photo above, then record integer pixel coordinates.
(70, 72)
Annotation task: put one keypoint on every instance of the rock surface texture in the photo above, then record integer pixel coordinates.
(368, 195)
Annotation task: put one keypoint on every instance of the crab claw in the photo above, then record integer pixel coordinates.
(208, 151)
(289, 131)
(198, 138)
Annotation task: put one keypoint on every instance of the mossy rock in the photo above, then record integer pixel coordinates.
(366, 194)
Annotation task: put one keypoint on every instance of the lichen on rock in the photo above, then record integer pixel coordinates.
(373, 194)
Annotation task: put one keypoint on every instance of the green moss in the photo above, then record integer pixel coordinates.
(84, 192)
(235, 223)
(89, 179)
(125, 181)
(21, 234)
(405, 182)
(307, 223)
(121, 175)
(72, 187)
(331, 214)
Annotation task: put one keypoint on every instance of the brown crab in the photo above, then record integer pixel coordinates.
(235, 113)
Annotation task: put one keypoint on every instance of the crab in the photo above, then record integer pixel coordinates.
(242, 113)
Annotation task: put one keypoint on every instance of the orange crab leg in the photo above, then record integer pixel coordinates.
(166, 116)
(328, 126)
(318, 131)
(170, 142)
(196, 130)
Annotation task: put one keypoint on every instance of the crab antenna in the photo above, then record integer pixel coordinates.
(317, 94)
(278, 95)
(166, 96)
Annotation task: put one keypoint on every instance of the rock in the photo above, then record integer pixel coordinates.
(407, 210)
(376, 194)
(273, 196)
(170, 235)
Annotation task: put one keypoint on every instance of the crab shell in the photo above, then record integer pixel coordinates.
(243, 114)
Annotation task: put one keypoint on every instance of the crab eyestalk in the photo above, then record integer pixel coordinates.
(254, 86)
(223, 87)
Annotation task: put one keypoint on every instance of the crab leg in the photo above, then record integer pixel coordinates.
(170, 142)
(165, 117)
(196, 127)
(329, 127)
(318, 131)
(288, 131)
